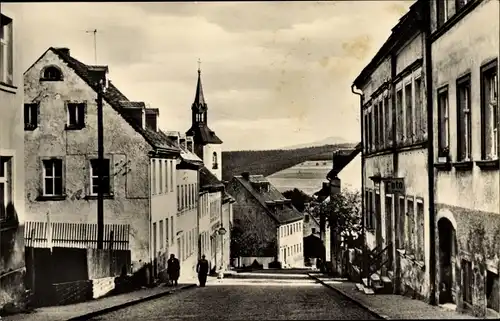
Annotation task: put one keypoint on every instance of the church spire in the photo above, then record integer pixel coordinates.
(199, 99)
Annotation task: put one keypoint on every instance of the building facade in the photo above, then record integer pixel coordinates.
(465, 49)
(61, 156)
(269, 227)
(395, 142)
(12, 211)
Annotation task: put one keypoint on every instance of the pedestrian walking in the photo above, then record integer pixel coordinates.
(202, 270)
(173, 269)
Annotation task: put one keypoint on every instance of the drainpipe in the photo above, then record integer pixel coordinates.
(430, 154)
(363, 238)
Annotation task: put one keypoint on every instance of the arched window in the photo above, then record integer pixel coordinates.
(214, 161)
(52, 73)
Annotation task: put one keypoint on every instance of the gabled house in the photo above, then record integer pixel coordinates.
(12, 212)
(61, 161)
(270, 223)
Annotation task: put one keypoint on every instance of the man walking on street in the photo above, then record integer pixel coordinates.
(173, 269)
(202, 270)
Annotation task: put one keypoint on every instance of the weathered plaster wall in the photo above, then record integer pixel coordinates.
(250, 216)
(380, 75)
(411, 51)
(122, 144)
(227, 209)
(12, 264)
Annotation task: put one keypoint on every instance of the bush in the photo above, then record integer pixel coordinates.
(275, 265)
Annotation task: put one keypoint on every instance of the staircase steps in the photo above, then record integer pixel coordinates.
(368, 291)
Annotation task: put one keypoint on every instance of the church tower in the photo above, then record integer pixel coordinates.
(206, 144)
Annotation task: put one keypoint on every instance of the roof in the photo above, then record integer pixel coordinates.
(92, 75)
(266, 198)
(203, 135)
(227, 198)
(404, 25)
(186, 154)
(342, 158)
(209, 181)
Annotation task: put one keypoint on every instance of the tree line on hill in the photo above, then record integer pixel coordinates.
(267, 162)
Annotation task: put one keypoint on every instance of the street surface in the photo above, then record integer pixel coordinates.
(248, 297)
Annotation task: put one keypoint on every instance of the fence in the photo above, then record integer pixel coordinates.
(75, 235)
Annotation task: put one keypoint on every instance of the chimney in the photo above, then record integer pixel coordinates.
(245, 175)
(64, 50)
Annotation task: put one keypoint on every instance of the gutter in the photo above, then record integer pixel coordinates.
(363, 210)
(430, 155)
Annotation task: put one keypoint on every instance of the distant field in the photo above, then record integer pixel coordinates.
(308, 186)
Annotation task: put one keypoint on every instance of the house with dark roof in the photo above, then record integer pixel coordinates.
(269, 227)
(61, 165)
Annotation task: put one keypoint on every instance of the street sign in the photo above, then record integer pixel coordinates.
(395, 185)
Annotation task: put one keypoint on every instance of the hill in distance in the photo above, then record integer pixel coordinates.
(267, 162)
(332, 140)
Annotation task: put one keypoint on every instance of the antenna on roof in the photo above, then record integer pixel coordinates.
(95, 43)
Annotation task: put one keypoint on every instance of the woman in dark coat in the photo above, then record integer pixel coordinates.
(173, 269)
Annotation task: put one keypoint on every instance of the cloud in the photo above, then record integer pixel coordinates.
(274, 73)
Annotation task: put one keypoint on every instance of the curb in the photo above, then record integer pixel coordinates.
(89, 315)
(359, 303)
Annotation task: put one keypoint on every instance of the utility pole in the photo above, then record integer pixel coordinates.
(95, 43)
(100, 162)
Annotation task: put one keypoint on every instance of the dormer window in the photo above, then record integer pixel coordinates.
(215, 165)
(52, 73)
(76, 116)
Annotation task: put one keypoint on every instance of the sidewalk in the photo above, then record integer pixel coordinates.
(388, 306)
(85, 310)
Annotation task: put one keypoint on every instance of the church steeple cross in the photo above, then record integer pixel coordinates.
(199, 65)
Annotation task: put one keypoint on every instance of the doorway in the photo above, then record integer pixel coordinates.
(447, 257)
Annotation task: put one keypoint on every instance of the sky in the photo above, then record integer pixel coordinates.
(274, 74)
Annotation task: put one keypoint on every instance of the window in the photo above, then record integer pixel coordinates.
(172, 228)
(420, 113)
(377, 214)
(214, 161)
(76, 115)
(52, 73)
(161, 234)
(401, 221)
(492, 287)
(160, 176)
(388, 122)
(155, 236)
(381, 125)
(370, 130)
(369, 210)
(409, 132)
(442, 12)
(6, 51)
(171, 176)
(166, 231)
(467, 281)
(52, 177)
(444, 122)
(366, 142)
(410, 225)
(400, 120)
(165, 178)
(489, 111)
(94, 176)
(376, 123)
(5, 186)
(178, 198)
(464, 135)
(153, 176)
(30, 116)
(420, 232)
(306, 218)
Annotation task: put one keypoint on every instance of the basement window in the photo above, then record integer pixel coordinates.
(493, 291)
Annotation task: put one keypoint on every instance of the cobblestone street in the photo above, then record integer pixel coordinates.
(263, 297)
